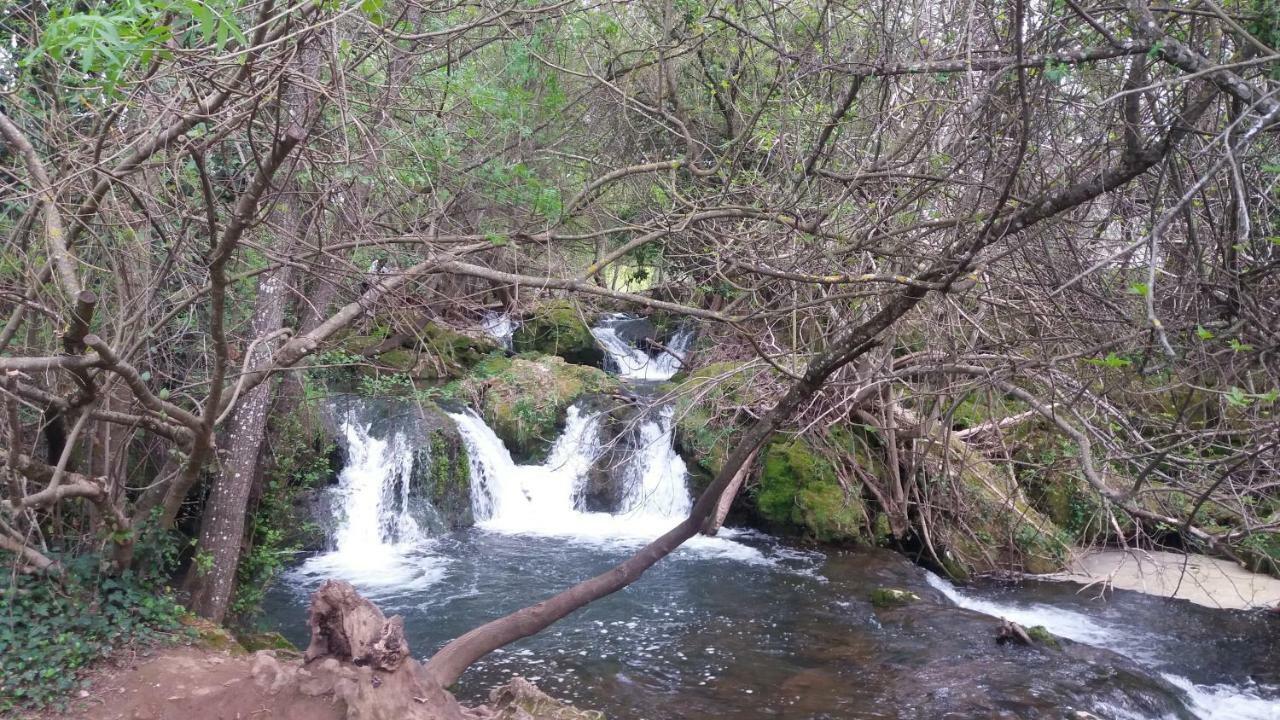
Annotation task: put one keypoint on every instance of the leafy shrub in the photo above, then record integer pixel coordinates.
(52, 628)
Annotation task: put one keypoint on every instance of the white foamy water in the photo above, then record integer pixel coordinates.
(633, 363)
(499, 326)
(1208, 702)
(540, 499)
(379, 546)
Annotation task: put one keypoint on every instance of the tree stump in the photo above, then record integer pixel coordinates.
(349, 628)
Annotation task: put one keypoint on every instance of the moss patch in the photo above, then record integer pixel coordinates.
(253, 642)
(799, 488)
(445, 477)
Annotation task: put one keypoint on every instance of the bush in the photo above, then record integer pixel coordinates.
(52, 628)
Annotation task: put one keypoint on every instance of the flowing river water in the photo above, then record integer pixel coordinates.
(745, 626)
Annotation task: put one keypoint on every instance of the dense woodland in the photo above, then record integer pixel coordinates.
(982, 281)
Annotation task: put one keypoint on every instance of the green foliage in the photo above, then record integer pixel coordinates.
(386, 384)
(101, 41)
(51, 629)
(300, 462)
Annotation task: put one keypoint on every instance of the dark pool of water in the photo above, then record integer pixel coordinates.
(770, 631)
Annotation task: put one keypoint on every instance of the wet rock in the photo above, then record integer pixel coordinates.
(559, 328)
(892, 597)
(605, 485)
(442, 474)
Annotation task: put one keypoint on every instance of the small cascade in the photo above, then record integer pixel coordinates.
(655, 478)
(633, 363)
(500, 327)
(528, 498)
(373, 492)
(542, 499)
(1208, 702)
(378, 544)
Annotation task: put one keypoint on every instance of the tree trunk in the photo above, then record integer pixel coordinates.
(716, 521)
(212, 580)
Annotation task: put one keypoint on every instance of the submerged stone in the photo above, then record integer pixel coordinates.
(892, 597)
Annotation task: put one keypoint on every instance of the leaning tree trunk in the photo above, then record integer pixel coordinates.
(212, 580)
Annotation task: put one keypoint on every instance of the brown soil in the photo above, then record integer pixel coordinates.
(190, 683)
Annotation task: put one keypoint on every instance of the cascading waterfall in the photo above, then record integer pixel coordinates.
(655, 478)
(373, 491)
(1208, 702)
(377, 541)
(527, 498)
(541, 499)
(633, 363)
(500, 327)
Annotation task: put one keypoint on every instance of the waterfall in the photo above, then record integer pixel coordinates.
(528, 498)
(540, 499)
(1208, 702)
(633, 363)
(655, 479)
(500, 327)
(373, 491)
(378, 545)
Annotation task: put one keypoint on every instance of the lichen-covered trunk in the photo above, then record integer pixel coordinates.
(212, 578)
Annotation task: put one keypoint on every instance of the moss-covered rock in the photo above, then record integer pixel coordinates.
(892, 597)
(798, 489)
(442, 473)
(1041, 635)
(433, 352)
(525, 399)
(255, 641)
(559, 328)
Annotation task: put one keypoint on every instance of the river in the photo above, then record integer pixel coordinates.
(745, 626)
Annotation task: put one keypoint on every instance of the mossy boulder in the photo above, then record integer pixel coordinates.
(433, 352)
(892, 597)
(442, 470)
(798, 490)
(525, 399)
(255, 641)
(559, 328)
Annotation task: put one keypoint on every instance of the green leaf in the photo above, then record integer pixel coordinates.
(1202, 333)
(1235, 396)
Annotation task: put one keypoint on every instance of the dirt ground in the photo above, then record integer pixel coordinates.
(189, 683)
